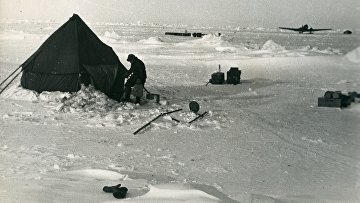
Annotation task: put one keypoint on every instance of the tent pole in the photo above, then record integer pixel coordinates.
(10, 82)
(10, 75)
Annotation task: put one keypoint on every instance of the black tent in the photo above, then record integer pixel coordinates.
(72, 55)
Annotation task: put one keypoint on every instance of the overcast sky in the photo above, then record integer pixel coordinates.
(242, 13)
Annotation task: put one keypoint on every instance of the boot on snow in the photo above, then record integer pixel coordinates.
(111, 189)
(120, 193)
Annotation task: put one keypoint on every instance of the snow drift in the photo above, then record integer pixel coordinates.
(354, 55)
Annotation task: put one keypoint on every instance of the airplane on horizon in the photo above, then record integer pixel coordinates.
(304, 28)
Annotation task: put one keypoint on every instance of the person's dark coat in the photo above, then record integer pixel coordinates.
(137, 72)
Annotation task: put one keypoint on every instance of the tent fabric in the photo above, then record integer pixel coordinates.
(59, 63)
(58, 54)
(51, 82)
(103, 77)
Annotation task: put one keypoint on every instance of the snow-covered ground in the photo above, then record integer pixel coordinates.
(264, 140)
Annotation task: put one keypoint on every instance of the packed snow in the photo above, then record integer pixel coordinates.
(354, 55)
(264, 140)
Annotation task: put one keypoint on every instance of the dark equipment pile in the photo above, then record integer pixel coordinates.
(232, 77)
(337, 99)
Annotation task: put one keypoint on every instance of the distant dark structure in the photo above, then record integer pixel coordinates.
(198, 34)
(178, 33)
(337, 99)
(347, 32)
(304, 28)
(187, 34)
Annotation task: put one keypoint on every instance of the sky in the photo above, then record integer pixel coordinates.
(239, 13)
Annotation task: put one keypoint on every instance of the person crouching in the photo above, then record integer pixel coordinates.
(137, 74)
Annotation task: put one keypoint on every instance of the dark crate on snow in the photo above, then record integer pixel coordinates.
(332, 94)
(335, 99)
(329, 102)
(217, 78)
(233, 76)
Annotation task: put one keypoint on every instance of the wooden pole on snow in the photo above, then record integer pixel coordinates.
(162, 114)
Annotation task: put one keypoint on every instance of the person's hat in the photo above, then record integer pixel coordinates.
(131, 57)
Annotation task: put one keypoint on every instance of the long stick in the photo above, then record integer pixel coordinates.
(199, 116)
(10, 82)
(169, 112)
(147, 124)
(10, 75)
(146, 90)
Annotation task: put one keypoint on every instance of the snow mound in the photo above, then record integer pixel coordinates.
(219, 43)
(328, 51)
(354, 55)
(175, 193)
(88, 99)
(111, 34)
(110, 37)
(16, 92)
(272, 46)
(151, 40)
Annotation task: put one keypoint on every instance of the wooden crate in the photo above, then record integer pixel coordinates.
(329, 102)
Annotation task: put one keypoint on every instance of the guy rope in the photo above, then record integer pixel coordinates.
(11, 79)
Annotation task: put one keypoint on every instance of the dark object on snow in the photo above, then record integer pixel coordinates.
(217, 78)
(147, 124)
(72, 55)
(194, 106)
(347, 32)
(336, 99)
(120, 193)
(233, 76)
(174, 119)
(178, 33)
(187, 34)
(198, 34)
(324, 102)
(151, 96)
(199, 116)
(111, 189)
